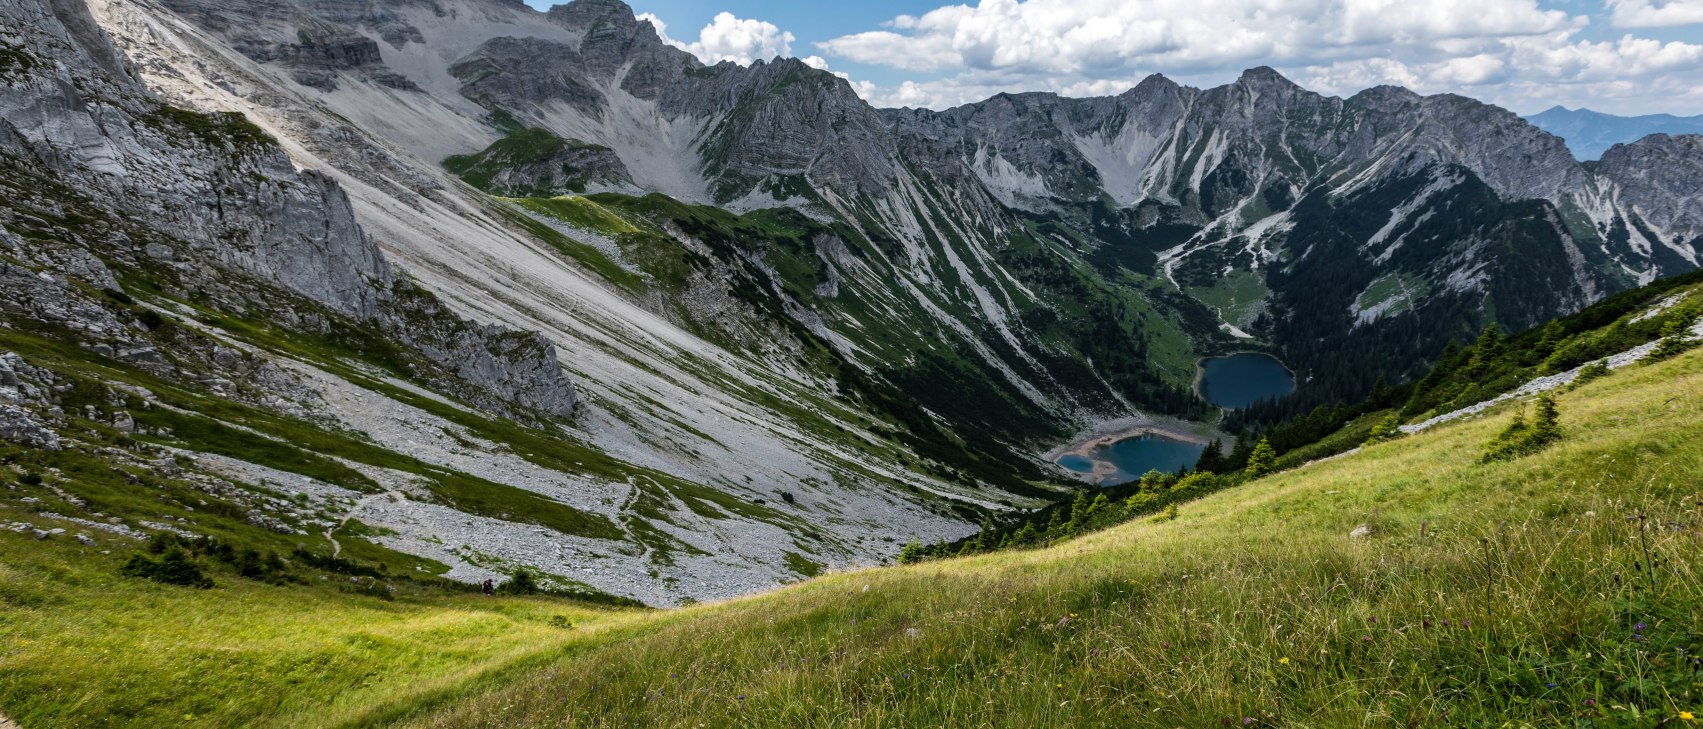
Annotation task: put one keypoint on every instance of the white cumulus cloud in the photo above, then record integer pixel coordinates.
(1518, 53)
(731, 38)
(1094, 36)
(1655, 13)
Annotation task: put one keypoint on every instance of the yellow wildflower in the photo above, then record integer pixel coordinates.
(1284, 660)
(1686, 716)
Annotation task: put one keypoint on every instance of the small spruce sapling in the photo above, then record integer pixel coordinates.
(912, 553)
(1263, 460)
(1386, 430)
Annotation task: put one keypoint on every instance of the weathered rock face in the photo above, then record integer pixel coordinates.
(771, 122)
(25, 394)
(326, 41)
(216, 187)
(1660, 178)
(1212, 149)
(100, 172)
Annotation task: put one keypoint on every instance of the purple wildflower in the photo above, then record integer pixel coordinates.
(1551, 685)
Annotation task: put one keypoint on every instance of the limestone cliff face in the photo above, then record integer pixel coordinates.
(102, 173)
(1660, 180)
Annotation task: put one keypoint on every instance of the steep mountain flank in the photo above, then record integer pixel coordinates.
(199, 297)
(209, 206)
(1591, 133)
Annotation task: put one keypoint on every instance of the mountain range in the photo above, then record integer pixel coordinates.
(538, 290)
(1590, 134)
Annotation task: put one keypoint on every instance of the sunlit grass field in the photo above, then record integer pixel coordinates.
(1557, 590)
(1560, 589)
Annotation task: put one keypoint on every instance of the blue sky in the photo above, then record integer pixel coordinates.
(1618, 56)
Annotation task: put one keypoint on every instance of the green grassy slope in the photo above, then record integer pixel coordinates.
(1254, 604)
(1485, 594)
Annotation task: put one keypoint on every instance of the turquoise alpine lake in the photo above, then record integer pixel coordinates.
(1077, 463)
(1240, 380)
(1134, 457)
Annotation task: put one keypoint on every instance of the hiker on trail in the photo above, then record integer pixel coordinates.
(489, 588)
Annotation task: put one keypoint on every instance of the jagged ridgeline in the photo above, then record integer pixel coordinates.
(1075, 255)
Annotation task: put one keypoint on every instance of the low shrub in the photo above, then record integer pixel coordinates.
(174, 567)
(1522, 438)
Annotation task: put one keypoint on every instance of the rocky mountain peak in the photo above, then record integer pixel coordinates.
(1388, 99)
(1661, 176)
(1265, 77)
(604, 16)
(1154, 85)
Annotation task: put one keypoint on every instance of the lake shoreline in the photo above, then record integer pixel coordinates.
(1114, 431)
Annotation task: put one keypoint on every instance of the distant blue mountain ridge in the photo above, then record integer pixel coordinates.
(1590, 133)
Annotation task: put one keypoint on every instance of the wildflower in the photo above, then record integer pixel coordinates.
(1426, 623)
(1639, 628)
(1283, 661)
(1246, 720)
(1686, 716)
(1551, 685)
(1166, 645)
(1374, 620)
(1365, 639)
(1466, 623)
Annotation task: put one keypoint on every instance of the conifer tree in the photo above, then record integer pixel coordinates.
(1380, 392)
(1546, 427)
(1263, 460)
(1079, 510)
(912, 552)
(1240, 454)
(1211, 459)
(1387, 429)
(1552, 337)
(1055, 525)
(1486, 351)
